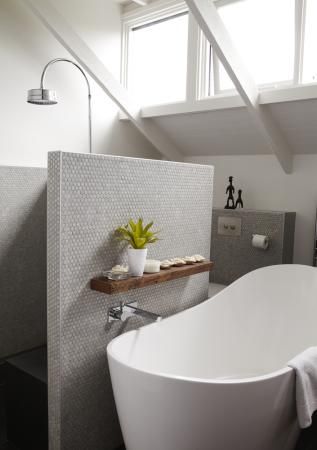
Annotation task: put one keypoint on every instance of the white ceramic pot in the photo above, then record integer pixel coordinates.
(136, 261)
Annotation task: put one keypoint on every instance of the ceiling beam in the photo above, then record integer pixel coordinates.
(80, 51)
(210, 22)
(141, 2)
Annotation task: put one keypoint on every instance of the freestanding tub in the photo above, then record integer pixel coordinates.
(215, 377)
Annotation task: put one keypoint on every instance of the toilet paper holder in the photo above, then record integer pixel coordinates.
(260, 241)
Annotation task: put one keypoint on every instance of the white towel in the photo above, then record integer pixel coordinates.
(305, 365)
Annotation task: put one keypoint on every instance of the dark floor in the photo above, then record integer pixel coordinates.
(8, 446)
(23, 401)
(3, 434)
(308, 437)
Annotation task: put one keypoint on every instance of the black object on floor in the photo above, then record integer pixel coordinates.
(26, 400)
(308, 437)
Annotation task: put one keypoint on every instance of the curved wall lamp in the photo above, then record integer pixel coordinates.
(44, 96)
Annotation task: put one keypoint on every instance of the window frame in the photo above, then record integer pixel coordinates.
(200, 80)
(299, 36)
(142, 16)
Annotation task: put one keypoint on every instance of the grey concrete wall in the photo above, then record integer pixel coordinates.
(234, 256)
(22, 259)
(88, 197)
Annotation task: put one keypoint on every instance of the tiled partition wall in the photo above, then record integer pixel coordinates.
(234, 256)
(88, 197)
(22, 259)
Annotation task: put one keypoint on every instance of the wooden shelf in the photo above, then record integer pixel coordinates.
(110, 287)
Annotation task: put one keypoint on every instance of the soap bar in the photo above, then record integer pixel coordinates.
(152, 266)
(120, 269)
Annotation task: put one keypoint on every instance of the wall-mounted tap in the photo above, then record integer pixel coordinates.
(124, 311)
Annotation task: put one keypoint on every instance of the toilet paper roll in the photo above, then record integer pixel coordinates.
(260, 241)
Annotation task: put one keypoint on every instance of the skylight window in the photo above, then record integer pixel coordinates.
(310, 46)
(167, 59)
(157, 60)
(263, 32)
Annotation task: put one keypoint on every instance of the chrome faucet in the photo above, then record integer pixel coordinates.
(124, 311)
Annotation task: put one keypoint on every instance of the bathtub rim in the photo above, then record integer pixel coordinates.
(196, 380)
(247, 380)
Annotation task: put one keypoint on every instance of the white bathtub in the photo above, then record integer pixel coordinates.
(215, 377)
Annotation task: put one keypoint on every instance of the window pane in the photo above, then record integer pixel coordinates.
(310, 55)
(263, 31)
(158, 61)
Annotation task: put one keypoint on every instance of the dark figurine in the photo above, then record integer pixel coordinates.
(230, 192)
(239, 202)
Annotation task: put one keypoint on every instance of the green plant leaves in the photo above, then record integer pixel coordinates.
(132, 225)
(136, 235)
(139, 242)
(149, 225)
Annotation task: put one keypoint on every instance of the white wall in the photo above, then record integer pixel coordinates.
(27, 132)
(266, 186)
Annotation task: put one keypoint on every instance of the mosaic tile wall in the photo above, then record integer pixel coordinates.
(234, 256)
(88, 197)
(22, 259)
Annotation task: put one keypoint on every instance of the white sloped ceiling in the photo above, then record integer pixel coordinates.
(232, 132)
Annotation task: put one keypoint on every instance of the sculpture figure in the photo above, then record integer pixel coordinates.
(239, 202)
(230, 191)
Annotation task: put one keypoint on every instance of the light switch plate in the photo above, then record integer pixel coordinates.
(229, 226)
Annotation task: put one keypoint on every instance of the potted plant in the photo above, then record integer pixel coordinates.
(138, 237)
